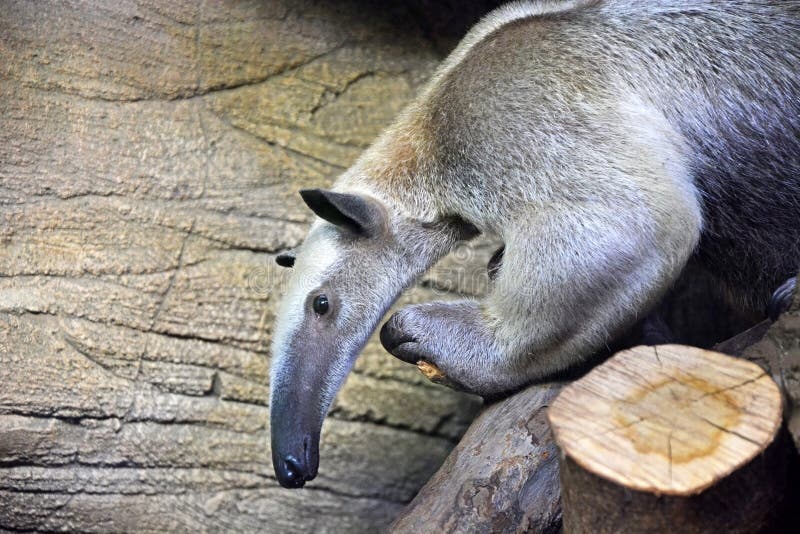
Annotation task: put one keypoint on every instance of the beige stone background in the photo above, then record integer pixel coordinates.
(150, 158)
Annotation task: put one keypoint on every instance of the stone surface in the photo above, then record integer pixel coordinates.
(150, 158)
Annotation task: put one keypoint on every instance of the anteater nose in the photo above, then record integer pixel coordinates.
(294, 472)
(295, 460)
(291, 473)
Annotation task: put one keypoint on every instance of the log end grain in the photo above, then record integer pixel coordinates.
(670, 419)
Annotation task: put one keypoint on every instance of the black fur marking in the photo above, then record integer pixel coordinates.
(285, 259)
(655, 331)
(741, 117)
(351, 212)
(495, 262)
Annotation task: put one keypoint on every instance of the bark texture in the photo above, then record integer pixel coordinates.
(150, 157)
(776, 348)
(779, 353)
(748, 501)
(502, 477)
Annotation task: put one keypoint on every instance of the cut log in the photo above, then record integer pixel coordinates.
(501, 430)
(670, 438)
(738, 344)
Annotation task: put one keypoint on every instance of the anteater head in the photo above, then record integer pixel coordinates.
(356, 260)
(345, 276)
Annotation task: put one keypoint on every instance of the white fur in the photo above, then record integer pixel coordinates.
(316, 256)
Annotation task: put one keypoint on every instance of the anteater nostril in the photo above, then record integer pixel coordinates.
(293, 471)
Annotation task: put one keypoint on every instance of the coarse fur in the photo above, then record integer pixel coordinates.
(607, 144)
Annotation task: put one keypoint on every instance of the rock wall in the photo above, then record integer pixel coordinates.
(150, 157)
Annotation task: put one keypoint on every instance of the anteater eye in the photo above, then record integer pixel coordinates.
(321, 304)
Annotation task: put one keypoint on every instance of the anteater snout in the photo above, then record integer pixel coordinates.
(292, 473)
(298, 465)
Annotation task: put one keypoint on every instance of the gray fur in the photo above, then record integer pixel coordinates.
(607, 144)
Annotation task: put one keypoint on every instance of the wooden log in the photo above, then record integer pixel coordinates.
(502, 476)
(738, 344)
(670, 439)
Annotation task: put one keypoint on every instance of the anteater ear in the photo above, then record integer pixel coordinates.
(355, 213)
(285, 259)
